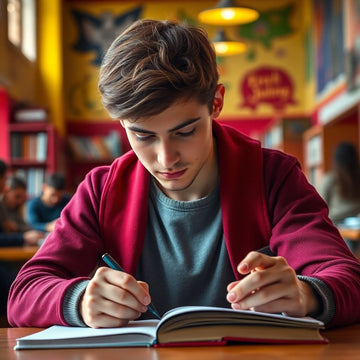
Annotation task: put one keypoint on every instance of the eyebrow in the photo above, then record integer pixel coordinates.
(180, 126)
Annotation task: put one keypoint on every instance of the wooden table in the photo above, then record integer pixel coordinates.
(344, 344)
(17, 253)
(350, 234)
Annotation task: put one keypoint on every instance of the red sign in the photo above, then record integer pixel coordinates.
(268, 85)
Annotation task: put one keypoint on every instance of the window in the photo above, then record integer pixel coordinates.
(14, 21)
(22, 26)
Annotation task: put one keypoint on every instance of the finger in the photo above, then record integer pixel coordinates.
(253, 261)
(105, 321)
(126, 282)
(144, 285)
(123, 289)
(267, 296)
(274, 307)
(267, 270)
(124, 298)
(248, 285)
(115, 310)
(95, 318)
(231, 286)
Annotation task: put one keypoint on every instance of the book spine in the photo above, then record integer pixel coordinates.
(41, 146)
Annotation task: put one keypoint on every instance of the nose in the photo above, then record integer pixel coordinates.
(167, 154)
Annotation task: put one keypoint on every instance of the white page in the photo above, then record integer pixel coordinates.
(185, 309)
(58, 333)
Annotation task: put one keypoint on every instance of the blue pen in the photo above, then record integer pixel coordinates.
(109, 260)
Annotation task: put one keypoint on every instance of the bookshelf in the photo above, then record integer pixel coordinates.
(30, 148)
(33, 152)
(321, 140)
(285, 134)
(96, 144)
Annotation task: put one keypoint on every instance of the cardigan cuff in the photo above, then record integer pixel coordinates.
(326, 296)
(71, 303)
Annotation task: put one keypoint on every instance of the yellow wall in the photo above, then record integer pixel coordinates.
(51, 60)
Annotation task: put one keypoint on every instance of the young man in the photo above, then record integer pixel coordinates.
(185, 212)
(43, 211)
(9, 234)
(14, 197)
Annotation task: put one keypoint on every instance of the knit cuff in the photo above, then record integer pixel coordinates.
(324, 293)
(71, 303)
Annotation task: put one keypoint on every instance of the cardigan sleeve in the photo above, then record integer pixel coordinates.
(37, 294)
(303, 233)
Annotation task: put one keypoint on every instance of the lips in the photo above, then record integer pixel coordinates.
(172, 175)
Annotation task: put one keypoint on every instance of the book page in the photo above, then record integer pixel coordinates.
(136, 333)
(191, 324)
(246, 314)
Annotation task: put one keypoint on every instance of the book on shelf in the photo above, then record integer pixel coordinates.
(41, 147)
(29, 146)
(95, 147)
(16, 146)
(30, 114)
(185, 326)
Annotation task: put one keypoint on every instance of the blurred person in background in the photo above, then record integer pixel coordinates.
(17, 238)
(13, 199)
(43, 211)
(341, 187)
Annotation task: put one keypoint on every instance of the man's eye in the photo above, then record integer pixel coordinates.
(142, 137)
(186, 133)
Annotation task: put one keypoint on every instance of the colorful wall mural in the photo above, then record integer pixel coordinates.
(271, 76)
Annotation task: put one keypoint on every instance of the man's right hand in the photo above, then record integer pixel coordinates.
(112, 298)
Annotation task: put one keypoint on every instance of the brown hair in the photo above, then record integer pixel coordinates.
(154, 63)
(14, 182)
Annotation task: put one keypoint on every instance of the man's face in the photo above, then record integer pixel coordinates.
(15, 198)
(50, 196)
(177, 148)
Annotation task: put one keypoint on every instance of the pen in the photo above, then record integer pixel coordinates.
(109, 260)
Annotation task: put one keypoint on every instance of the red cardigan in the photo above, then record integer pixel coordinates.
(265, 200)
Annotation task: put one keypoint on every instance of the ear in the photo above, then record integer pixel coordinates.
(218, 101)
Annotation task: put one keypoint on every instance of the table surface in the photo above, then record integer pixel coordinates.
(17, 253)
(344, 343)
(350, 234)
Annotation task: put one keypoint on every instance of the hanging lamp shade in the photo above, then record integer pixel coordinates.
(227, 12)
(226, 47)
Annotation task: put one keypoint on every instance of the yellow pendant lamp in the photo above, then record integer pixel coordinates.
(227, 12)
(226, 47)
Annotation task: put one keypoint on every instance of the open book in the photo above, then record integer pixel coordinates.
(184, 326)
